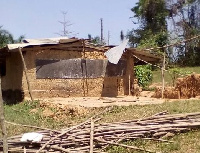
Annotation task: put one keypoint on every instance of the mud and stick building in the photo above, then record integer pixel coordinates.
(66, 68)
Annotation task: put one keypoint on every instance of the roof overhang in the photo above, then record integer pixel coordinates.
(145, 55)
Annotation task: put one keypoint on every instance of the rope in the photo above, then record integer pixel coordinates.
(173, 44)
(166, 46)
(148, 62)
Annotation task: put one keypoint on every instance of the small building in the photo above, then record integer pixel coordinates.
(63, 67)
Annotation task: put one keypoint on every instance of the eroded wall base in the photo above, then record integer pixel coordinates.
(12, 96)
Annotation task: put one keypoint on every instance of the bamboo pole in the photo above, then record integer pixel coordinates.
(126, 146)
(61, 134)
(2, 120)
(92, 136)
(84, 76)
(30, 126)
(72, 128)
(24, 149)
(129, 84)
(86, 81)
(163, 76)
(25, 71)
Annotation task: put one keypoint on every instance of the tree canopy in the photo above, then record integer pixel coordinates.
(152, 29)
(167, 21)
(7, 38)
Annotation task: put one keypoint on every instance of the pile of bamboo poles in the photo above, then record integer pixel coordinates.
(91, 137)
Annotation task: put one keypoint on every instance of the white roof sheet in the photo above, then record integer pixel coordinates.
(35, 42)
(114, 54)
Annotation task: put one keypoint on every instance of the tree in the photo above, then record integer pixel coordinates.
(151, 17)
(186, 23)
(95, 40)
(7, 38)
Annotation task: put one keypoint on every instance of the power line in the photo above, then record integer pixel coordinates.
(173, 44)
(148, 62)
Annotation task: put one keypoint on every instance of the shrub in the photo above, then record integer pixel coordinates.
(144, 75)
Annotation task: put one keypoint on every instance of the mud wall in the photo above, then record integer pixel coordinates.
(12, 81)
(187, 87)
(103, 86)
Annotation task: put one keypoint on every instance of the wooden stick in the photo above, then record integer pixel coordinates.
(24, 149)
(162, 140)
(58, 148)
(30, 126)
(86, 81)
(163, 76)
(123, 145)
(129, 84)
(25, 71)
(91, 136)
(2, 120)
(63, 133)
(151, 127)
(70, 129)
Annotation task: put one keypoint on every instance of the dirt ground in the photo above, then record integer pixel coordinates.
(144, 99)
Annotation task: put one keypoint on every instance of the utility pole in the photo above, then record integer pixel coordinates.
(121, 35)
(101, 31)
(108, 37)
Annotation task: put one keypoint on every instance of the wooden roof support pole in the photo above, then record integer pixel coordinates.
(129, 75)
(163, 76)
(2, 120)
(84, 68)
(129, 85)
(25, 71)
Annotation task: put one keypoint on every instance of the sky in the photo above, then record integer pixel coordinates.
(40, 18)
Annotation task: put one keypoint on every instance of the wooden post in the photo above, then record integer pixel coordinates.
(128, 77)
(129, 84)
(92, 136)
(83, 43)
(2, 120)
(25, 71)
(85, 76)
(24, 149)
(163, 76)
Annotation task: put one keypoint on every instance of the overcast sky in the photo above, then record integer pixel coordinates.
(39, 18)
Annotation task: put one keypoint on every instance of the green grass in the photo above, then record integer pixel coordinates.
(182, 143)
(21, 114)
(136, 111)
(187, 142)
(157, 79)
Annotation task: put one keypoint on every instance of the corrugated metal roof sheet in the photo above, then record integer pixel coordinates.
(38, 42)
(114, 54)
